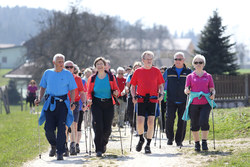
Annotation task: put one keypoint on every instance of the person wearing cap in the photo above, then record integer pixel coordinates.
(149, 82)
(175, 79)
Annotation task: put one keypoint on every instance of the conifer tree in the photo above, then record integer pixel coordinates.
(216, 47)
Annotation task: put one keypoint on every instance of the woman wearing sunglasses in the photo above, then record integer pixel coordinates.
(200, 87)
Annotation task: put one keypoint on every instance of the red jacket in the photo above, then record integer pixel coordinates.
(91, 84)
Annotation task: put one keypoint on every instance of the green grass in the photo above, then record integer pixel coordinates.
(19, 137)
(244, 71)
(239, 159)
(4, 81)
(228, 124)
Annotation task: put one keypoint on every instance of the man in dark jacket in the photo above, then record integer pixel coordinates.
(175, 78)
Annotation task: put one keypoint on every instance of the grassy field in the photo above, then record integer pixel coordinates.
(19, 137)
(244, 71)
(4, 81)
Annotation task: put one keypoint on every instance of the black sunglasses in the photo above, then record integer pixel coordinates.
(69, 67)
(200, 62)
(176, 59)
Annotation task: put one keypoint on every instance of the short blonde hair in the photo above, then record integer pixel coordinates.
(147, 53)
(198, 56)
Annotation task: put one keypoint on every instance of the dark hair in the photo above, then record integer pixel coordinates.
(163, 68)
(100, 59)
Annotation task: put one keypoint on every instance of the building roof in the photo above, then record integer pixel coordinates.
(23, 71)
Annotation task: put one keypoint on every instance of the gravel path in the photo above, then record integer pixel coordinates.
(167, 156)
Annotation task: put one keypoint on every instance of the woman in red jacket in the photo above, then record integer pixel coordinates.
(102, 89)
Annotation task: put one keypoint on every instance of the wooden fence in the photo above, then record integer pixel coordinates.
(232, 88)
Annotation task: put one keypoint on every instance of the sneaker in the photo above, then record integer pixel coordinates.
(139, 145)
(104, 149)
(66, 153)
(197, 146)
(99, 154)
(204, 145)
(77, 148)
(59, 157)
(72, 149)
(147, 149)
(179, 144)
(52, 152)
(170, 142)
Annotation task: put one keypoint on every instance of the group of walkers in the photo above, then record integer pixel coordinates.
(135, 95)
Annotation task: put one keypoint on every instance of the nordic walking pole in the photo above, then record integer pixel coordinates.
(85, 128)
(89, 127)
(132, 130)
(120, 132)
(213, 123)
(38, 131)
(161, 127)
(156, 124)
(190, 133)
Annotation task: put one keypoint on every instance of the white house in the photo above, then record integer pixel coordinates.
(11, 56)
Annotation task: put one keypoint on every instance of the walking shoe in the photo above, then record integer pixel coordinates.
(66, 153)
(179, 144)
(99, 154)
(104, 149)
(204, 145)
(197, 146)
(170, 142)
(59, 157)
(139, 145)
(77, 148)
(52, 152)
(72, 149)
(147, 149)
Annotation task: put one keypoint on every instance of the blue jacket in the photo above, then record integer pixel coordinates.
(48, 104)
(192, 95)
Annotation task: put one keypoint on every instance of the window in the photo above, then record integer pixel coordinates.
(4, 59)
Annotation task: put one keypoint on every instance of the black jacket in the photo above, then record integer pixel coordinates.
(175, 85)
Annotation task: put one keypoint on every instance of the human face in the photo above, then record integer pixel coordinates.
(59, 64)
(147, 61)
(70, 67)
(162, 71)
(120, 74)
(198, 64)
(99, 66)
(179, 61)
(107, 67)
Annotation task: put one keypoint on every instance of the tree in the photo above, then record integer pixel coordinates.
(80, 36)
(217, 49)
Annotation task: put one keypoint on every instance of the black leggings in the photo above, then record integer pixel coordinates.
(199, 115)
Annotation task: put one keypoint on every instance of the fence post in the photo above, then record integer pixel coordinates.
(21, 98)
(246, 88)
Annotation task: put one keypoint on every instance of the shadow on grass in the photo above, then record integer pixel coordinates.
(215, 152)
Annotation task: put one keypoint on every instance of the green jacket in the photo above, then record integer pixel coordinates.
(192, 95)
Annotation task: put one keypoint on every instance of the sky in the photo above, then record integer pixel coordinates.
(178, 15)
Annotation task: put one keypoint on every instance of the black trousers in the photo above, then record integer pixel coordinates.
(163, 112)
(199, 115)
(103, 114)
(172, 108)
(56, 119)
(130, 112)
